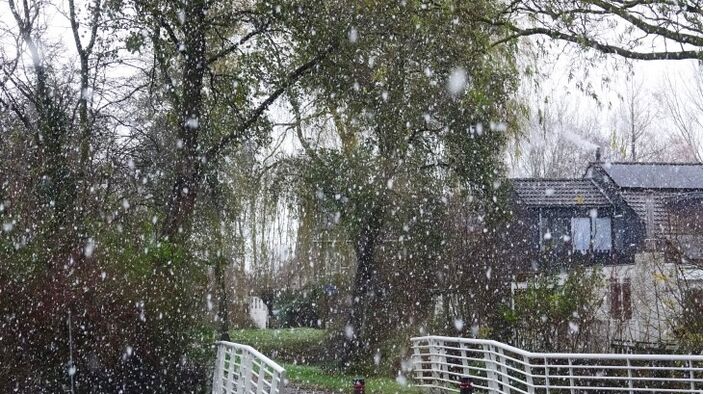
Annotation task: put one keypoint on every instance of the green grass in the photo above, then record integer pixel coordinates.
(278, 337)
(299, 349)
(315, 377)
(301, 345)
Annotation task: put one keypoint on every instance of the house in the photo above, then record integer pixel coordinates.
(640, 223)
(613, 212)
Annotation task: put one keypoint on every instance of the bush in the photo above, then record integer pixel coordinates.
(135, 322)
(552, 316)
(313, 306)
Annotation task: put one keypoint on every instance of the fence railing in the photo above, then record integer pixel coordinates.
(240, 369)
(494, 367)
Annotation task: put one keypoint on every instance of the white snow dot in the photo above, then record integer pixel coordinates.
(89, 248)
(192, 122)
(349, 331)
(457, 81)
(574, 328)
(400, 379)
(459, 324)
(353, 35)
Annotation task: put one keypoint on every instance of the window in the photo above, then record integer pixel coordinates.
(591, 234)
(602, 234)
(581, 229)
(620, 296)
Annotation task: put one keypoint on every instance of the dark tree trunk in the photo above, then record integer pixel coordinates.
(365, 286)
(186, 183)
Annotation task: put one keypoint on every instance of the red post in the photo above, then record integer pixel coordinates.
(466, 386)
(358, 386)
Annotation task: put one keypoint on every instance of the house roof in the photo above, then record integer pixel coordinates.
(559, 192)
(655, 175)
(647, 202)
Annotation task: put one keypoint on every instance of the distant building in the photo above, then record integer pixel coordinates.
(615, 211)
(641, 222)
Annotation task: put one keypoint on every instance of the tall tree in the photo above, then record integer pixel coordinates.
(414, 116)
(684, 103)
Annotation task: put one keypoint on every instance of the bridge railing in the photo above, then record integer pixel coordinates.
(494, 367)
(240, 369)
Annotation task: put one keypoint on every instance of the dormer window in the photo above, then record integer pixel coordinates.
(591, 234)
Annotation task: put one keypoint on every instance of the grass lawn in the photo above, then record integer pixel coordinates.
(284, 337)
(300, 349)
(300, 345)
(314, 377)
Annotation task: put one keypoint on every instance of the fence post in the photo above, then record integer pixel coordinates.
(358, 386)
(630, 376)
(418, 361)
(434, 364)
(529, 375)
(442, 361)
(245, 370)
(504, 371)
(691, 375)
(463, 354)
(260, 378)
(569, 362)
(280, 382)
(466, 386)
(547, 379)
(231, 355)
(219, 365)
(490, 365)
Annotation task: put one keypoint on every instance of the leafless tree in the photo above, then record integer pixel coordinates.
(633, 135)
(683, 105)
(558, 141)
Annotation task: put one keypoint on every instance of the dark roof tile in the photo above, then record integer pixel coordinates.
(655, 175)
(559, 192)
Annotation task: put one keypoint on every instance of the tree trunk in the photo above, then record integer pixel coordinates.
(186, 184)
(365, 286)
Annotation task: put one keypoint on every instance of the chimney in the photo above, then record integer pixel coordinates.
(598, 154)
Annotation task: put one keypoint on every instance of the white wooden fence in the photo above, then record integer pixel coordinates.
(494, 367)
(240, 369)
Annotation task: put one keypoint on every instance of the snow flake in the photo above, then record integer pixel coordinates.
(192, 122)
(89, 248)
(457, 81)
(353, 35)
(574, 327)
